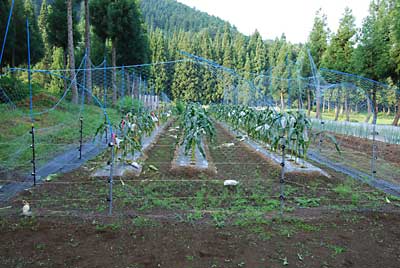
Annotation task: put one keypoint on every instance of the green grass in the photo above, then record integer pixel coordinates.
(55, 130)
(383, 118)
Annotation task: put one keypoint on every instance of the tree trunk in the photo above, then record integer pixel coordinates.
(337, 109)
(375, 106)
(114, 72)
(388, 111)
(65, 63)
(318, 103)
(329, 105)
(128, 84)
(87, 48)
(346, 106)
(308, 102)
(71, 52)
(369, 110)
(282, 101)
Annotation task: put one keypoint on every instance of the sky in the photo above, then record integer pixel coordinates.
(273, 17)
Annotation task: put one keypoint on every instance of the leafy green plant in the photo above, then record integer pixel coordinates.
(196, 125)
(136, 123)
(308, 202)
(108, 227)
(272, 127)
(144, 222)
(337, 249)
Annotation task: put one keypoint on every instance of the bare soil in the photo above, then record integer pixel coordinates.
(70, 226)
(386, 151)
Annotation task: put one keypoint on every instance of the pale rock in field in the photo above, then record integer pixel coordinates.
(50, 177)
(173, 136)
(135, 165)
(242, 138)
(26, 209)
(227, 145)
(230, 183)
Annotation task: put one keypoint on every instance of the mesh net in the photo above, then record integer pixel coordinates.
(340, 105)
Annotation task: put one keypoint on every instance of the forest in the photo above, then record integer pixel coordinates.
(131, 32)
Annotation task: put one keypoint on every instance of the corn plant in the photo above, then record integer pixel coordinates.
(269, 126)
(196, 125)
(128, 133)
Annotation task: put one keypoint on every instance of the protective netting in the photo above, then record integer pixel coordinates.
(341, 107)
(346, 109)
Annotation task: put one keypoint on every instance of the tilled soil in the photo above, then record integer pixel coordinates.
(314, 238)
(386, 151)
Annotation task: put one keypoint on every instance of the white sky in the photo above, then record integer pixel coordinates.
(273, 17)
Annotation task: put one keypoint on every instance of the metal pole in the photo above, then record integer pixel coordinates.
(374, 133)
(320, 136)
(32, 132)
(81, 137)
(374, 156)
(282, 179)
(105, 94)
(105, 82)
(6, 33)
(110, 180)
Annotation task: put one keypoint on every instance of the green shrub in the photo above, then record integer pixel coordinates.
(14, 89)
(127, 104)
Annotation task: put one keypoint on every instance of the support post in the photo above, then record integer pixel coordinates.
(110, 179)
(282, 179)
(374, 147)
(374, 133)
(81, 137)
(105, 123)
(105, 82)
(32, 132)
(320, 136)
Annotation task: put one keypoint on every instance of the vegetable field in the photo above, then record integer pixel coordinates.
(260, 186)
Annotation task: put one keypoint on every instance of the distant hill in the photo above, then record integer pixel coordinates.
(171, 16)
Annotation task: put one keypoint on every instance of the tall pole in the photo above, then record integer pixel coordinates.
(32, 131)
(81, 137)
(282, 179)
(105, 93)
(6, 33)
(110, 180)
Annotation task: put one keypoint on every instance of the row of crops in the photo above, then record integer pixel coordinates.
(290, 128)
(136, 123)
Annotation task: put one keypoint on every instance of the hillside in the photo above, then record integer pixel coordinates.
(170, 16)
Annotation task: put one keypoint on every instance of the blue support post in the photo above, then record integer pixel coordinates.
(6, 33)
(105, 93)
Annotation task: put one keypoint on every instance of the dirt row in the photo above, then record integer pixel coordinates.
(334, 238)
